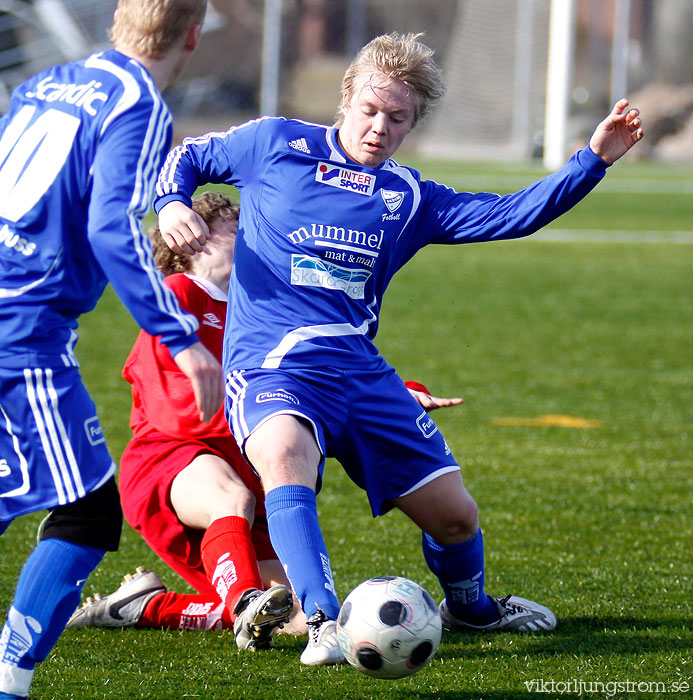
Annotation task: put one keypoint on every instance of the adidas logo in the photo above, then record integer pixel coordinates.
(299, 145)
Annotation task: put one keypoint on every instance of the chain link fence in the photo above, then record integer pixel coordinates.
(494, 54)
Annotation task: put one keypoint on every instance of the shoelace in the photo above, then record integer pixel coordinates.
(511, 609)
(314, 625)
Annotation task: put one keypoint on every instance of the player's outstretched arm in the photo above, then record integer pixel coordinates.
(183, 230)
(206, 375)
(618, 133)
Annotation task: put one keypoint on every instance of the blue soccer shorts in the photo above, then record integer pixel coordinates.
(52, 448)
(365, 418)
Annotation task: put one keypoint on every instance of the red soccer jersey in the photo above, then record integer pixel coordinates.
(163, 397)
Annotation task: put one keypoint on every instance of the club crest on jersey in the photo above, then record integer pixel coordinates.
(393, 200)
(345, 179)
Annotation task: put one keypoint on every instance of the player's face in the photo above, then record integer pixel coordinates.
(377, 117)
(221, 245)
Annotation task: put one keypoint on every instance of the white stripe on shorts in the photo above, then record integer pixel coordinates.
(236, 386)
(69, 453)
(40, 424)
(431, 477)
(56, 447)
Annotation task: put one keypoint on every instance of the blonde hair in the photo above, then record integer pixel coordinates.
(403, 57)
(152, 27)
(212, 207)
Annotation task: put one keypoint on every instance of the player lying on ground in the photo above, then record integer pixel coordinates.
(184, 485)
(327, 218)
(79, 150)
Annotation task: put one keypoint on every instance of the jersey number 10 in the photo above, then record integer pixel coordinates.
(31, 157)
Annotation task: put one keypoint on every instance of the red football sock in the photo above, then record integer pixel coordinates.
(229, 559)
(185, 611)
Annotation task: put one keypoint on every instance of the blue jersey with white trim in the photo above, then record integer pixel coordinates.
(320, 237)
(80, 148)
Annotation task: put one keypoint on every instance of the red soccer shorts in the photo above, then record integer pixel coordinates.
(147, 469)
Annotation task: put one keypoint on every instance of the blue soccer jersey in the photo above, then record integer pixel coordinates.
(320, 237)
(79, 152)
(80, 148)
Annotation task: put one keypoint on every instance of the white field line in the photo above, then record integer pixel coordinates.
(607, 236)
(506, 183)
(662, 186)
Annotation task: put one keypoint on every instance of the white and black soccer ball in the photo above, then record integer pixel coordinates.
(389, 627)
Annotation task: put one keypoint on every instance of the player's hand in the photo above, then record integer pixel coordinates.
(184, 231)
(206, 375)
(618, 133)
(430, 403)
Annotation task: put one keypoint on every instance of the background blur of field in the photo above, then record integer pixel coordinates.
(594, 521)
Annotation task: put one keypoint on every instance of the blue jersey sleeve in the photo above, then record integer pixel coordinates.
(453, 217)
(124, 171)
(229, 157)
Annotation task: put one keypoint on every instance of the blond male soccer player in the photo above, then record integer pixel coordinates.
(327, 218)
(184, 484)
(79, 150)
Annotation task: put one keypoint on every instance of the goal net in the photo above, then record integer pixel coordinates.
(495, 68)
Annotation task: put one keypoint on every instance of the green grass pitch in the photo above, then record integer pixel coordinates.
(594, 522)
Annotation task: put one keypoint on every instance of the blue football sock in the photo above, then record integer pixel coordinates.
(48, 592)
(292, 518)
(460, 570)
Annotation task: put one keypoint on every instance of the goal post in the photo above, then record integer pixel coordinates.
(558, 82)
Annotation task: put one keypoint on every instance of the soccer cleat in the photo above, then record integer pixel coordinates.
(257, 615)
(516, 614)
(122, 608)
(9, 696)
(323, 647)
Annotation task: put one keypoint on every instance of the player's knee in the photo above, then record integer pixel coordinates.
(468, 522)
(285, 467)
(284, 452)
(94, 521)
(231, 501)
(459, 525)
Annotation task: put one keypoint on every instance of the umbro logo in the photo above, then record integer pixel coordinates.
(299, 145)
(212, 320)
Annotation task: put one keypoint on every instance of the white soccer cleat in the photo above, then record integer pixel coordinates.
(323, 647)
(516, 614)
(258, 613)
(122, 608)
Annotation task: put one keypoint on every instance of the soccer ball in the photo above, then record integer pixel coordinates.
(389, 627)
